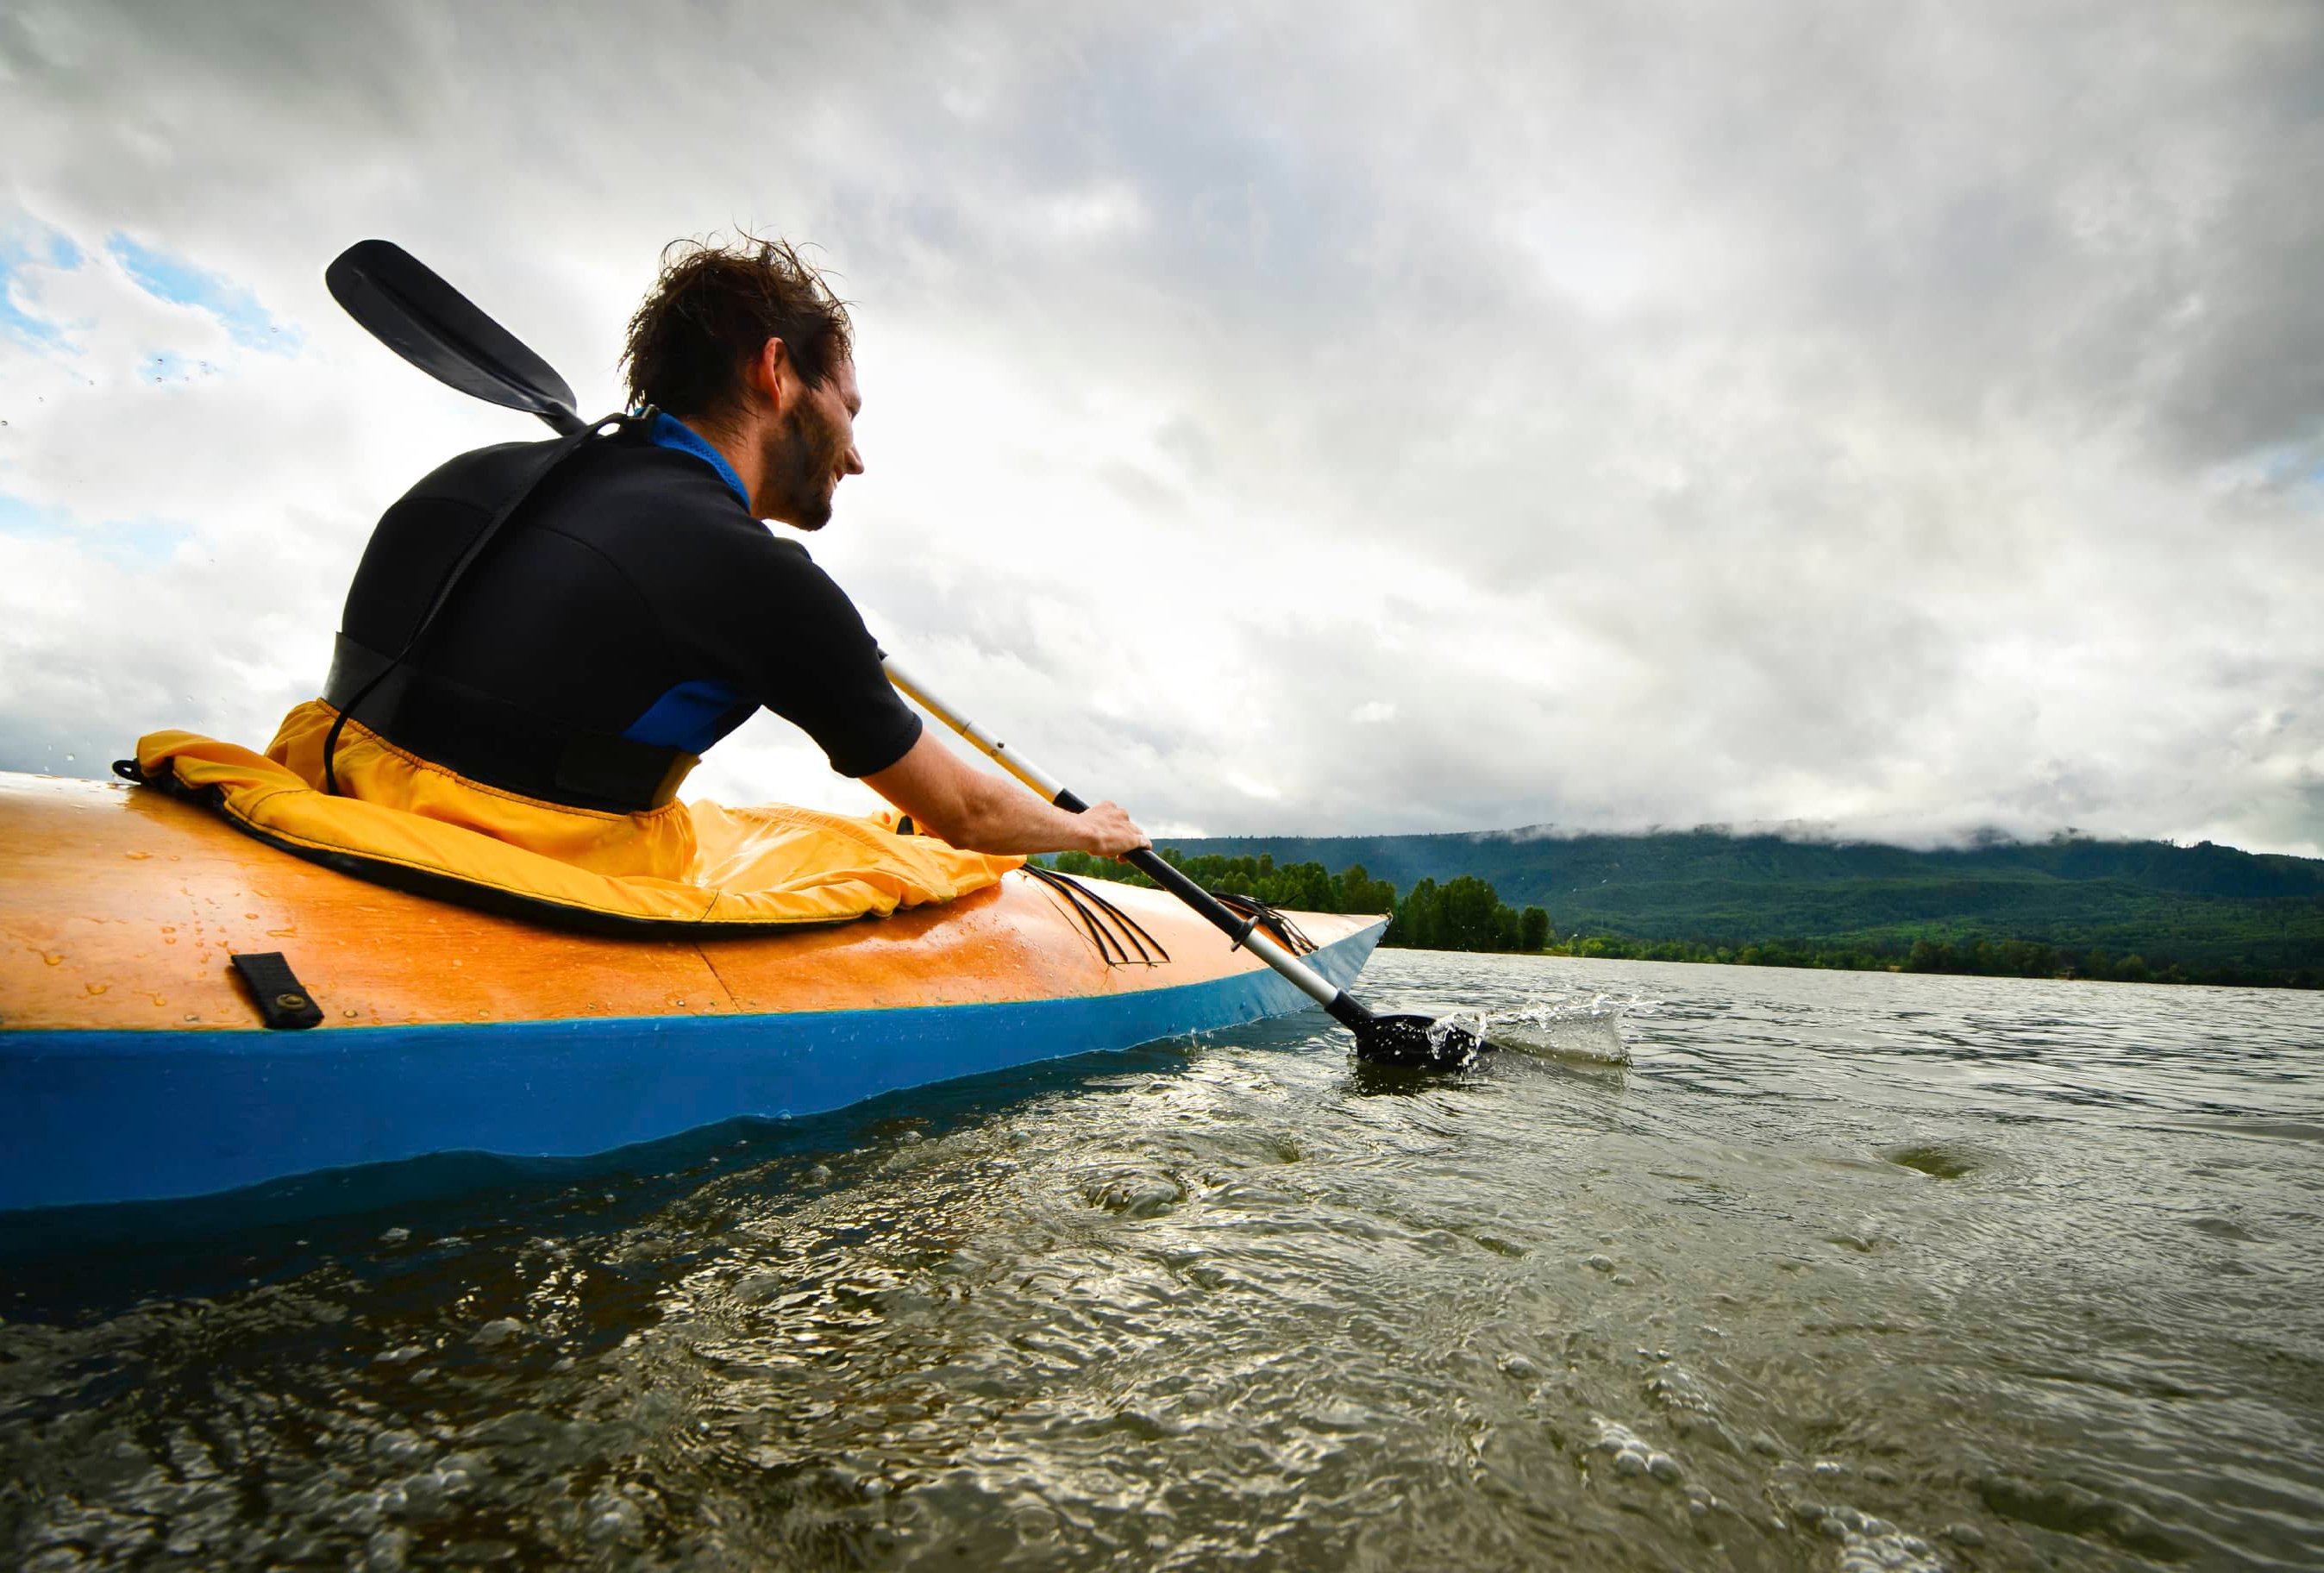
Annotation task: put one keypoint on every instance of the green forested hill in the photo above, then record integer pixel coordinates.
(2205, 904)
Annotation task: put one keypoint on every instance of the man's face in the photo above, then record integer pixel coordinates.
(810, 448)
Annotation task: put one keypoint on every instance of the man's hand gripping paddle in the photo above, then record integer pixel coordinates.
(439, 330)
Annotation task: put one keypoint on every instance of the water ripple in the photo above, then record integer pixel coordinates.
(1721, 1268)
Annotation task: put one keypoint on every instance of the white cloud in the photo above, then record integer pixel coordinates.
(1104, 212)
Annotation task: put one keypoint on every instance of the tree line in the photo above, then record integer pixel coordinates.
(1466, 913)
(1461, 914)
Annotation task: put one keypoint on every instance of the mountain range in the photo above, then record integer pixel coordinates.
(2203, 905)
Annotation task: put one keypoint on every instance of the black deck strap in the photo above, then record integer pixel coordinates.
(129, 770)
(283, 1000)
(1261, 914)
(1113, 931)
(1110, 950)
(1127, 931)
(1148, 947)
(1108, 946)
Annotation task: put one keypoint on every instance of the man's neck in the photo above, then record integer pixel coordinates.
(744, 457)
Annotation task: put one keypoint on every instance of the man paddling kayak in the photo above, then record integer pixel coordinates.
(633, 609)
(417, 825)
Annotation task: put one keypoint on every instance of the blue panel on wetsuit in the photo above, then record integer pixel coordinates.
(691, 716)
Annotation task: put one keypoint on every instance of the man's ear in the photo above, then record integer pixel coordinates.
(774, 373)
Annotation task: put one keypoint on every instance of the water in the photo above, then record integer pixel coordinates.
(1736, 1268)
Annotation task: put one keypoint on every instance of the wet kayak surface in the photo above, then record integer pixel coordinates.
(1719, 1267)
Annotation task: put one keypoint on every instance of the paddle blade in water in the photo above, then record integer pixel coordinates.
(428, 322)
(1416, 1040)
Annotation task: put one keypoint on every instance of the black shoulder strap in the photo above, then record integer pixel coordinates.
(545, 464)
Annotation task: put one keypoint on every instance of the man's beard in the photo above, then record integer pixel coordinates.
(801, 466)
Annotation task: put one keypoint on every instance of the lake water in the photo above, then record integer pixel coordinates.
(1836, 1271)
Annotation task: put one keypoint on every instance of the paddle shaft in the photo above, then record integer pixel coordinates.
(1343, 1007)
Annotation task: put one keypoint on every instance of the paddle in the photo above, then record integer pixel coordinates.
(412, 311)
(438, 330)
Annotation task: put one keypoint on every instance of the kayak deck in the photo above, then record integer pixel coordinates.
(133, 1065)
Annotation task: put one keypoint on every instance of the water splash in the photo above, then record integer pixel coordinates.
(1572, 1030)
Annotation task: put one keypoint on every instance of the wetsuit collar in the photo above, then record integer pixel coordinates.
(669, 432)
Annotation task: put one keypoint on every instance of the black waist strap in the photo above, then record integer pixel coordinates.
(501, 745)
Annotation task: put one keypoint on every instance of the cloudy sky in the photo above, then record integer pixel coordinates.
(1345, 417)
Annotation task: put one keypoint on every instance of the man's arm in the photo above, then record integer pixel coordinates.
(980, 812)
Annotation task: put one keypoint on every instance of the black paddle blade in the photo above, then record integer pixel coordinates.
(1416, 1041)
(438, 330)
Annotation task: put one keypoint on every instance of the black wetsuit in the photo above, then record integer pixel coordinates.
(630, 614)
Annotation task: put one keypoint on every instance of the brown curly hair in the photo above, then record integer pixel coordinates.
(711, 312)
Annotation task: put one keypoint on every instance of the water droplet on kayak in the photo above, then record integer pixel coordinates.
(137, 856)
(99, 987)
(192, 1017)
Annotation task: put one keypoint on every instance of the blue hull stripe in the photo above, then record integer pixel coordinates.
(100, 1116)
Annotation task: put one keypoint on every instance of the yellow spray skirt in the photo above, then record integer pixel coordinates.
(409, 822)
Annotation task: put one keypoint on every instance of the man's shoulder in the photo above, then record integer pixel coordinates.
(666, 519)
(474, 475)
(615, 473)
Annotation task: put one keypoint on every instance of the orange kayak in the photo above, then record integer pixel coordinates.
(136, 1062)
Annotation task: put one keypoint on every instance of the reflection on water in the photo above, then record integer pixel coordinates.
(1726, 1268)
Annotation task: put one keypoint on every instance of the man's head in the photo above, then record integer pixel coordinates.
(747, 343)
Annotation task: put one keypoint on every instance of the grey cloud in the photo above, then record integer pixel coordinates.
(1820, 409)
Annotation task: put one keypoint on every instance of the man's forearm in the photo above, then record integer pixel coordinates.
(1004, 817)
(977, 812)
